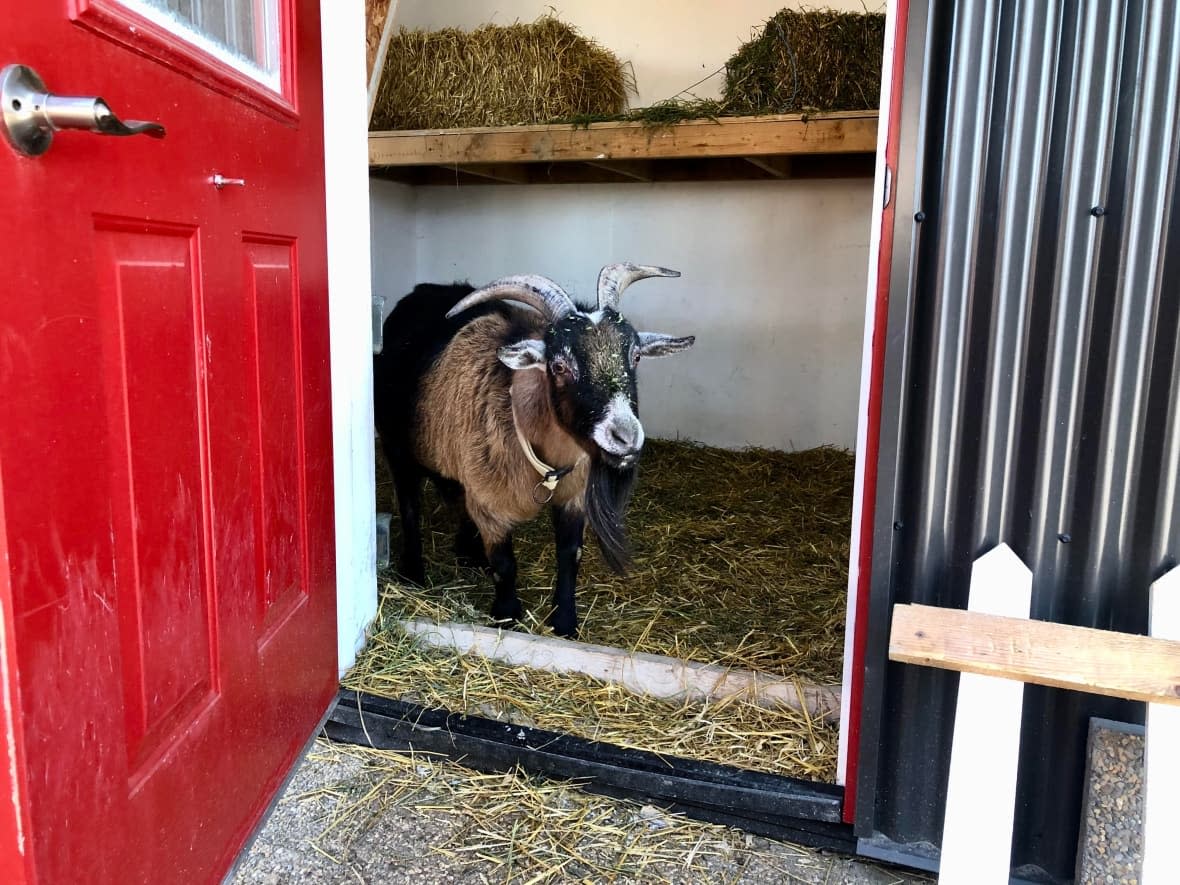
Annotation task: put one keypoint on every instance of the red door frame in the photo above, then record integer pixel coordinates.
(872, 442)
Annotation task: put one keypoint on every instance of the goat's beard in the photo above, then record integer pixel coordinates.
(608, 492)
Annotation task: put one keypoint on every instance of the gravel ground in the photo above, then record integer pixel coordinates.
(352, 815)
(1110, 849)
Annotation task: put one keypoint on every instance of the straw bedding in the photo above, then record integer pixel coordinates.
(741, 560)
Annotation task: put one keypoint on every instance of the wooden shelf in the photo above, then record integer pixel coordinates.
(836, 145)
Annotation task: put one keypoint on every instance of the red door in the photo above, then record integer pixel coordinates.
(167, 598)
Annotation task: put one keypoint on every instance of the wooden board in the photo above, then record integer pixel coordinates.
(379, 25)
(1100, 662)
(654, 675)
(376, 17)
(734, 147)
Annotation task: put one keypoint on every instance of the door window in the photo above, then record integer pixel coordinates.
(242, 33)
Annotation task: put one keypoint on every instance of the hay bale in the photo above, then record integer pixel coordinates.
(815, 60)
(497, 76)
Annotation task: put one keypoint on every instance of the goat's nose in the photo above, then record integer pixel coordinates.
(619, 431)
(623, 435)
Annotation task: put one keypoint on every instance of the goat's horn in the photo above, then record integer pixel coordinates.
(538, 292)
(614, 278)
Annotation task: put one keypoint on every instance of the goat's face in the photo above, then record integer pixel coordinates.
(591, 361)
(590, 357)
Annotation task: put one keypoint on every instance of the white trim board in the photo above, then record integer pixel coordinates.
(1161, 763)
(644, 674)
(985, 748)
(346, 158)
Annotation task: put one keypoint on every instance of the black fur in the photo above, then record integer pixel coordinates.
(608, 492)
(415, 333)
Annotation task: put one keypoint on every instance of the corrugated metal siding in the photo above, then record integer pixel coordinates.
(1032, 390)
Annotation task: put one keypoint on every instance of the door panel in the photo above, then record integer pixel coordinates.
(166, 550)
(271, 275)
(149, 295)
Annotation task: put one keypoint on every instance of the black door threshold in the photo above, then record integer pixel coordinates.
(791, 809)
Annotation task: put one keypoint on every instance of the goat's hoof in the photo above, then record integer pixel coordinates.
(508, 610)
(566, 628)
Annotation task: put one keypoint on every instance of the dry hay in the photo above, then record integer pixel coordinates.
(497, 75)
(514, 828)
(730, 732)
(662, 113)
(814, 60)
(741, 560)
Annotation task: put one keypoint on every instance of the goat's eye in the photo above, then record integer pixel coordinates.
(635, 358)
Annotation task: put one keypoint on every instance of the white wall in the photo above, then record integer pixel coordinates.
(772, 286)
(346, 182)
(394, 233)
(774, 272)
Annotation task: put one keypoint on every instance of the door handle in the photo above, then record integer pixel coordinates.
(31, 113)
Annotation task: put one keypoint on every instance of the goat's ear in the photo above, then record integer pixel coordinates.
(657, 344)
(526, 354)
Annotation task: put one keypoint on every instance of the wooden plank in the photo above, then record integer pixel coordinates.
(777, 167)
(378, 65)
(1120, 665)
(985, 745)
(645, 674)
(682, 169)
(504, 173)
(1161, 762)
(778, 135)
(638, 170)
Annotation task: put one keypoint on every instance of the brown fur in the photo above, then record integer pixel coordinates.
(466, 397)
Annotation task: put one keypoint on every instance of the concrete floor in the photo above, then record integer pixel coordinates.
(354, 816)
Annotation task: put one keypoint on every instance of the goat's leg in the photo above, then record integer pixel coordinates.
(469, 550)
(506, 606)
(407, 482)
(569, 525)
(497, 544)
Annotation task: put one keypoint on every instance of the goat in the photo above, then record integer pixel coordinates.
(482, 397)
